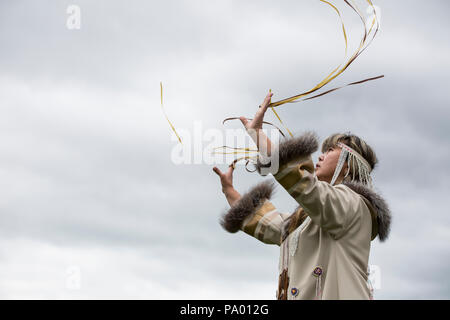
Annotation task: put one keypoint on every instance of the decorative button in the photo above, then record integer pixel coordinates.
(294, 292)
(317, 271)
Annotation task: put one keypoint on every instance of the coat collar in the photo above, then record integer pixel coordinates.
(378, 208)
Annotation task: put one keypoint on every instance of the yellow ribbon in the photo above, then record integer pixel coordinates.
(237, 150)
(336, 72)
(272, 108)
(162, 107)
(333, 75)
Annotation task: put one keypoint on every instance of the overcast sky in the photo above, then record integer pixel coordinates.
(92, 205)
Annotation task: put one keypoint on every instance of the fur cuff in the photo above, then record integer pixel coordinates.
(294, 148)
(249, 203)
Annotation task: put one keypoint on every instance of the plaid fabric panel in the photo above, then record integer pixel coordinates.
(265, 224)
(296, 176)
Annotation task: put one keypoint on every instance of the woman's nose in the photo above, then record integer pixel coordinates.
(321, 157)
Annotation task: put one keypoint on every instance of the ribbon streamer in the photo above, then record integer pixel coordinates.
(265, 122)
(162, 107)
(334, 89)
(364, 43)
(238, 150)
(276, 114)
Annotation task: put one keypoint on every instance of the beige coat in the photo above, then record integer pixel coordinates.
(326, 256)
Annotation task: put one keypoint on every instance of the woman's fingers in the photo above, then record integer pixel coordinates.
(263, 108)
(225, 179)
(220, 174)
(259, 116)
(217, 171)
(266, 101)
(244, 121)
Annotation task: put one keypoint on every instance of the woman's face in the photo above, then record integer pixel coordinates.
(327, 164)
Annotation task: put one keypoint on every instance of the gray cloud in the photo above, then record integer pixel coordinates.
(85, 170)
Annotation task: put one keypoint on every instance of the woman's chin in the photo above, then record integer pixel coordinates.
(317, 174)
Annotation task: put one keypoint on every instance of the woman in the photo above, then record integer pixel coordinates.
(325, 243)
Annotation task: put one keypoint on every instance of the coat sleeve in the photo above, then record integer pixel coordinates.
(256, 215)
(330, 207)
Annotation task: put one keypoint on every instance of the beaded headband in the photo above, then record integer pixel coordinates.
(356, 162)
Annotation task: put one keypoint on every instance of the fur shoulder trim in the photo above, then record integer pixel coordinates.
(249, 203)
(379, 204)
(293, 148)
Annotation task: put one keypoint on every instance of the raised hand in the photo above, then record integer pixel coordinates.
(254, 127)
(257, 121)
(226, 179)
